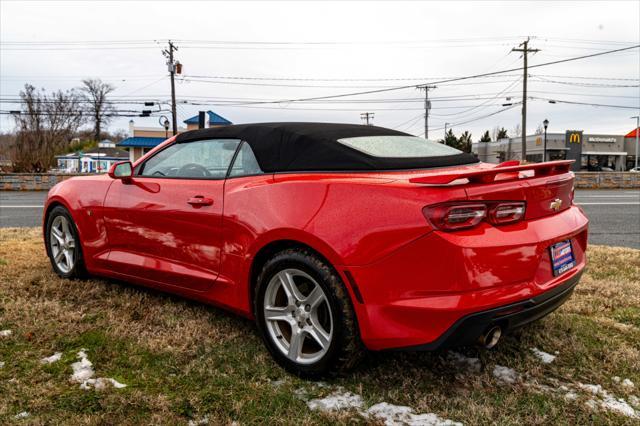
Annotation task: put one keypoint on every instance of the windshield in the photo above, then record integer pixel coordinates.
(398, 146)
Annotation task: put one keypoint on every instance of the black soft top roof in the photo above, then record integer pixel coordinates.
(282, 147)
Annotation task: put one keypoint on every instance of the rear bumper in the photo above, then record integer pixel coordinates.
(468, 329)
(422, 293)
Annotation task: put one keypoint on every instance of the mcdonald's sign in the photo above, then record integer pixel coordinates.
(574, 137)
(573, 141)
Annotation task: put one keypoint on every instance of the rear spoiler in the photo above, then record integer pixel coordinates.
(503, 171)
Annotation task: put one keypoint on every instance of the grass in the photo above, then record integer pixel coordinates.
(186, 361)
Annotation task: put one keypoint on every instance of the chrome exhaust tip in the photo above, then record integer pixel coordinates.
(491, 337)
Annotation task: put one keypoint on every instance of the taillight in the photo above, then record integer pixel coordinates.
(456, 216)
(503, 213)
(464, 215)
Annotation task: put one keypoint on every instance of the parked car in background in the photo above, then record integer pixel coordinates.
(335, 238)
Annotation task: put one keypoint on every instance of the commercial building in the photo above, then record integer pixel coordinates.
(143, 139)
(95, 160)
(592, 152)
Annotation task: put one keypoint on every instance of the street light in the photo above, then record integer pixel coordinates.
(545, 123)
(445, 133)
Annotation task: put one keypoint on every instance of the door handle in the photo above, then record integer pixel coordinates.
(199, 200)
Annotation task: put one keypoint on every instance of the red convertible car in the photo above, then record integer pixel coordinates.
(335, 238)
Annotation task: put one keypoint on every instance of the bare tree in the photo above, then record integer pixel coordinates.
(44, 126)
(539, 129)
(94, 93)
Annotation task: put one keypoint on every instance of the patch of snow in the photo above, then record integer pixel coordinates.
(545, 357)
(505, 374)
(203, 421)
(635, 401)
(616, 379)
(627, 384)
(390, 414)
(83, 373)
(470, 364)
(83, 369)
(337, 401)
(102, 383)
(51, 359)
(5, 333)
(22, 415)
(278, 383)
(570, 396)
(608, 401)
(619, 405)
(594, 389)
(1, 364)
(397, 414)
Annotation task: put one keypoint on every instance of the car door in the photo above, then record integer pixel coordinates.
(165, 224)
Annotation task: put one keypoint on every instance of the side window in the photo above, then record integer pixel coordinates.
(206, 159)
(246, 163)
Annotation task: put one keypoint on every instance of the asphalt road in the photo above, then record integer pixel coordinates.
(614, 214)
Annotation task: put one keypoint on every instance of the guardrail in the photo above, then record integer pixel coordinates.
(44, 181)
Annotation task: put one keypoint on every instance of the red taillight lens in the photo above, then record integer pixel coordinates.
(455, 216)
(503, 213)
(464, 215)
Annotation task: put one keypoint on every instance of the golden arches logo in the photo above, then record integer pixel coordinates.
(574, 138)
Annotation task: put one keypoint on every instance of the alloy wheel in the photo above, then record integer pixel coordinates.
(298, 316)
(62, 244)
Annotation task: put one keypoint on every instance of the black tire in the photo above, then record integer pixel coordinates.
(78, 270)
(345, 348)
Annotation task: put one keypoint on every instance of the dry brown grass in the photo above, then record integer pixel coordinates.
(182, 360)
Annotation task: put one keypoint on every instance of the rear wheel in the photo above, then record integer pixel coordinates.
(305, 316)
(63, 244)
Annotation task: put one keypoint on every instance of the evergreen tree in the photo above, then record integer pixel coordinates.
(485, 137)
(450, 139)
(464, 142)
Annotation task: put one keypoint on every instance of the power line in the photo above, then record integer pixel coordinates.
(453, 79)
(573, 83)
(584, 103)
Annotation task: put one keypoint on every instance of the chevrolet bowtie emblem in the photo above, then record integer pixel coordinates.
(556, 204)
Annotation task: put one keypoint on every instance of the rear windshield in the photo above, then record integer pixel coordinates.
(398, 146)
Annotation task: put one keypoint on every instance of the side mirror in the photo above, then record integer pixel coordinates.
(122, 170)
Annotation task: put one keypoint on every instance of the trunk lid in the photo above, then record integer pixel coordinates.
(547, 188)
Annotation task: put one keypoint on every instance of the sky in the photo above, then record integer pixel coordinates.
(248, 61)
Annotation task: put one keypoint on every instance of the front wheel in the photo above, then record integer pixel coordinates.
(305, 316)
(63, 244)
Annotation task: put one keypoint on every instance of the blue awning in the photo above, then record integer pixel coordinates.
(141, 142)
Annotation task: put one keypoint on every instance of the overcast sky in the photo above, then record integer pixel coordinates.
(336, 48)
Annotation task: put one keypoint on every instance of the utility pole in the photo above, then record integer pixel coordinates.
(524, 48)
(365, 116)
(637, 117)
(168, 53)
(427, 107)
